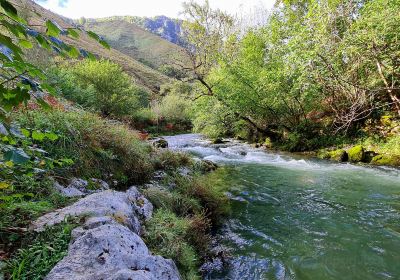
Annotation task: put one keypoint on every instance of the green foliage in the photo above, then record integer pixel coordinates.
(43, 252)
(101, 86)
(172, 108)
(315, 72)
(18, 78)
(99, 148)
(166, 235)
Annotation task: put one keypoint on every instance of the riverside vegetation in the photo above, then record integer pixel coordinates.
(316, 76)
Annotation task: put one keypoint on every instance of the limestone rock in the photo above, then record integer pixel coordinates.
(117, 205)
(80, 187)
(110, 251)
(67, 191)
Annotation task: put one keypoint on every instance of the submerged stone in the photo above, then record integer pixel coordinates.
(160, 143)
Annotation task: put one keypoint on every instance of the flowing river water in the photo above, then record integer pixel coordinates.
(298, 218)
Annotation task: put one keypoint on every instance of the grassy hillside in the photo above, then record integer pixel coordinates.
(141, 73)
(136, 42)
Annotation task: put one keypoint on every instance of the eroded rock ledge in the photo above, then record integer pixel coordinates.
(107, 245)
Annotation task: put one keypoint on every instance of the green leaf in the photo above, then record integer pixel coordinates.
(104, 44)
(25, 43)
(8, 7)
(25, 132)
(17, 156)
(43, 42)
(93, 35)
(52, 29)
(11, 11)
(73, 52)
(51, 136)
(73, 33)
(38, 136)
(51, 90)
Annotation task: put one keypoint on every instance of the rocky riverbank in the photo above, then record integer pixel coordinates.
(108, 245)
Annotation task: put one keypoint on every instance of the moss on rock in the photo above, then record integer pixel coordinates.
(390, 160)
(339, 155)
(323, 154)
(356, 153)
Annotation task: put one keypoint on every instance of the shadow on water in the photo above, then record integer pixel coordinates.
(304, 219)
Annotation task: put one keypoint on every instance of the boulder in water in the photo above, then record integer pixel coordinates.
(160, 143)
(356, 154)
(339, 155)
(389, 160)
(218, 141)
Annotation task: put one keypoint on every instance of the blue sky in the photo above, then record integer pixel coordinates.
(103, 8)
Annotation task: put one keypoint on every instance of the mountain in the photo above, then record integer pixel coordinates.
(141, 73)
(134, 41)
(167, 28)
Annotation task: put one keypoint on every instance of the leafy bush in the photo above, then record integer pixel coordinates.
(100, 148)
(101, 86)
(172, 108)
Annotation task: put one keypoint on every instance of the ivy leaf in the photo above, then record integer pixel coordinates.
(17, 156)
(53, 29)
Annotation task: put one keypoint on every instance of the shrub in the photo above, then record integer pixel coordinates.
(172, 108)
(102, 86)
(99, 148)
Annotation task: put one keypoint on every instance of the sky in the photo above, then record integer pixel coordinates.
(171, 8)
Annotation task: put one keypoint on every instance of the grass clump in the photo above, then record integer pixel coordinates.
(168, 235)
(41, 254)
(185, 214)
(99, 148)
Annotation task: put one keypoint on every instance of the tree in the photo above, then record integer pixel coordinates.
(20, 80)
(205, 32)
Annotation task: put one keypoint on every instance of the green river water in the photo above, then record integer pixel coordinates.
(295, 218)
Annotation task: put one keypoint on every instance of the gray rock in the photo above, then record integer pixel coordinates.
(79, 184)
(104, 249)
(102, 185)
(142, 205)
(109, 203)
(68, 191)
(3, 130)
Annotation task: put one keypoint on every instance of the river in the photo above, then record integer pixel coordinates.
(299, 218)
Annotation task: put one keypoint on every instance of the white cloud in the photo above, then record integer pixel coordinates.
(103, 8)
